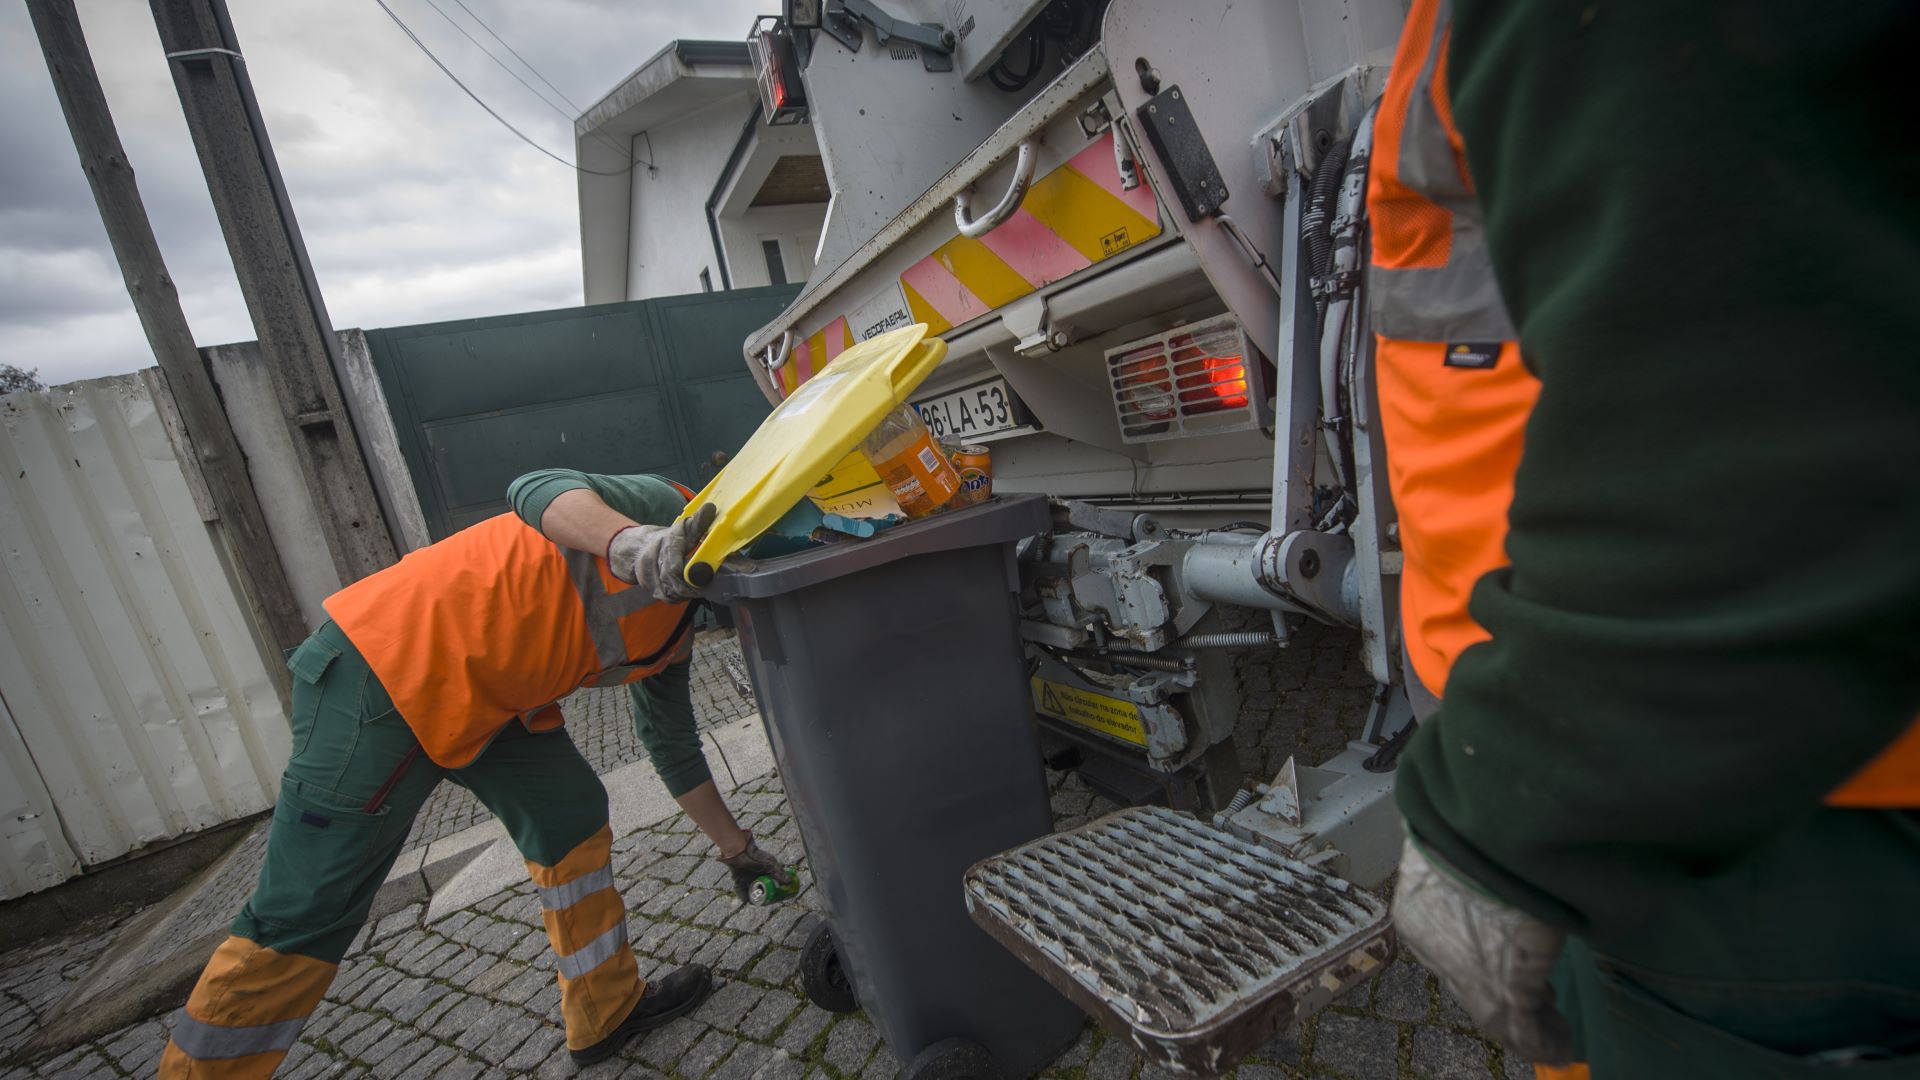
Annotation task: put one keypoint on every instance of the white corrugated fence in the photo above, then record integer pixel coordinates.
(135, 704)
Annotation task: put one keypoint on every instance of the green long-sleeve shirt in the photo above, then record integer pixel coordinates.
(663, 717)
(1705, 220)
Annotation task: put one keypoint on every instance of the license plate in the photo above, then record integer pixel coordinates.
(984, 408)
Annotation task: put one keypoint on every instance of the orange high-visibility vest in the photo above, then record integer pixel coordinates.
(1454, 393)
(497, 623)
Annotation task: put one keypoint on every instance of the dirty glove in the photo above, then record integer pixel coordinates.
(1493, 958)
(754, 863)
(654, 557)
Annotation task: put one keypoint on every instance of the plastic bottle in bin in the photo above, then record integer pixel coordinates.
(906, 457)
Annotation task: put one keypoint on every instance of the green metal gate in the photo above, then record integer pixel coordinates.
(653, 386)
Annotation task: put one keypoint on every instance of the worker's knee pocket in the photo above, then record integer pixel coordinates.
(325, 858)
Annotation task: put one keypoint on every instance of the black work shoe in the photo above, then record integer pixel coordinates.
(664, 999)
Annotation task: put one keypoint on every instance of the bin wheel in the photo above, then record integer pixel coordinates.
(952, 1059)
(821, 976)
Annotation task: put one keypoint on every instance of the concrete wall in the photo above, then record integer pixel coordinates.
(380, 444)
(669, 240)
(246, 390)
(293, 517)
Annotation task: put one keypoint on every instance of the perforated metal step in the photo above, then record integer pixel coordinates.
(1192, 944)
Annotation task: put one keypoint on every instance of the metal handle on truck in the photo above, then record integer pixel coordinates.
(974, 228)
(777, 355)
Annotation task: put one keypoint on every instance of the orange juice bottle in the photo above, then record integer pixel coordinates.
(906, 457)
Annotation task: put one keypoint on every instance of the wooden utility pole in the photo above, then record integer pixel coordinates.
(220, 459)
(270, 259)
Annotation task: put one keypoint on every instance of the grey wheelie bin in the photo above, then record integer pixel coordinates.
(890, 676)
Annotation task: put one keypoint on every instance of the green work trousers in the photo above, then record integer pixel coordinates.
(664, 722)
(354, 783)
(1802, 962)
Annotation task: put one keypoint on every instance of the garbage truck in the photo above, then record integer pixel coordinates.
(1139, 227)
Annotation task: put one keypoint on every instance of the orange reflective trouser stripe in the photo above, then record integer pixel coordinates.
(245, 1013)
(1889, 780)
(587, 925)
(1561, 1072)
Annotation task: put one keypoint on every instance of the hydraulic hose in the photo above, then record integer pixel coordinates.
(1316, 222)
(1350, 184)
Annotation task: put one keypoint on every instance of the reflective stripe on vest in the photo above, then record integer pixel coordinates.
(604, 610)
(1456, 298)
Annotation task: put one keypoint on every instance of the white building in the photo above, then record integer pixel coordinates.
(715, 198)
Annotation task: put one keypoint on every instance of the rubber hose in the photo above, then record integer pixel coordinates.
(1316, 222)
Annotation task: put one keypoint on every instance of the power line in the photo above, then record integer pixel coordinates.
(444, 70)
(516, 55)
(503, 66)
(627, 151)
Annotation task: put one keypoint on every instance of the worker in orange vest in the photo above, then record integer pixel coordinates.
(451, 665)
(1662, 807)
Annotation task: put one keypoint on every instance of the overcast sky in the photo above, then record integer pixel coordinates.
(416, 206)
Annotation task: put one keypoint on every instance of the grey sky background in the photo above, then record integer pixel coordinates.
(416, 206)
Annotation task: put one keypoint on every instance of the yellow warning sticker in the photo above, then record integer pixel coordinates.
(1113, 716)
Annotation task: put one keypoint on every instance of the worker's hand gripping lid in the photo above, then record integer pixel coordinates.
(805, 436)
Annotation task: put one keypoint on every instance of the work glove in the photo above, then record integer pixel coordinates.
(654, 557)
(1492, 957)
(755, 863)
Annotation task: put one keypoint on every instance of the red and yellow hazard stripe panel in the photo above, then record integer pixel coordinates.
(1077, 215)
(1073, 217)
(814, 353)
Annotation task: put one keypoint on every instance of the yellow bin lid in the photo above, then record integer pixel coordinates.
(806, 436)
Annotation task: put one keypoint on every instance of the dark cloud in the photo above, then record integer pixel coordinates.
(415, 205)
(46, 288)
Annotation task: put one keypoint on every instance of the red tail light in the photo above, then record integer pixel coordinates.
(783, 97)
(1197, 379)
(1208, 381)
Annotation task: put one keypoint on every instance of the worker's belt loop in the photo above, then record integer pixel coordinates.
(386, 786)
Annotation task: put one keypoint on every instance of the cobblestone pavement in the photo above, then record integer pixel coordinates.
(601, 725)
(473, 995)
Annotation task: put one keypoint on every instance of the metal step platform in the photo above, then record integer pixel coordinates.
(1195, 946)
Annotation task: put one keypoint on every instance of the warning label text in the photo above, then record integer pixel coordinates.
(1108, 715)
